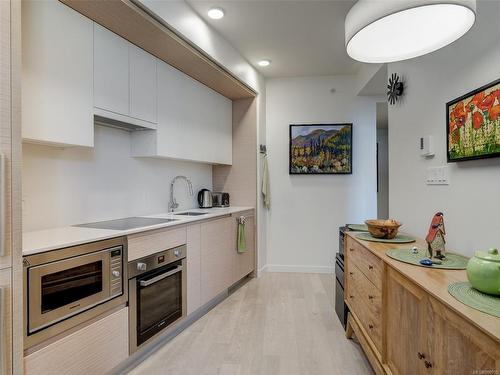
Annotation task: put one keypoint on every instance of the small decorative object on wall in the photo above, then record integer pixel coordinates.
(321, 149)
(435, 238)
(395, 89)
(473, 124)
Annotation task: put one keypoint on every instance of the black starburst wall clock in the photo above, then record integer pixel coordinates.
(395, 89)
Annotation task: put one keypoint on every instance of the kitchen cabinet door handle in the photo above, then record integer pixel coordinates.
(2, 204)
(370, 267)
(421, 355)
(351, 273)
(428, 364)
(370, 297)
(370, 326)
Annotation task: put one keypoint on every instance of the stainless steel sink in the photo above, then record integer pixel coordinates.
(190, 213)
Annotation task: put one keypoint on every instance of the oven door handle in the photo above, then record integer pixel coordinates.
(160, 277)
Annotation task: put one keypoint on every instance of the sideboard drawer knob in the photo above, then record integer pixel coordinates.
(428, 364)
(421, 355)
(370, 297)
(370, 326)
(370, 267)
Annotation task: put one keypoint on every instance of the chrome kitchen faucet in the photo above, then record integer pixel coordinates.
(172, 205)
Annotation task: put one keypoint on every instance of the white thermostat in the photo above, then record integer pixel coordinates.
(426, 147)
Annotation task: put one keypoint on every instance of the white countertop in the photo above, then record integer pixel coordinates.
(56, 238)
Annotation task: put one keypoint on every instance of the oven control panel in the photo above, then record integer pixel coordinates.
(157, 260)
(116, 268)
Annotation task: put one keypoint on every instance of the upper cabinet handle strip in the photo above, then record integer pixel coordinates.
(2, 204)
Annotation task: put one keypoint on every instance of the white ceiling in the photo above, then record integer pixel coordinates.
(301, 38)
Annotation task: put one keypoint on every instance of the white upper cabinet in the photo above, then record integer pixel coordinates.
(124, 80)
(143, 91)
(57, 80)
(194, 122)
(111, 71)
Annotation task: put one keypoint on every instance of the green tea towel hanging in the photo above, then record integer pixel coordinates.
(242, 242)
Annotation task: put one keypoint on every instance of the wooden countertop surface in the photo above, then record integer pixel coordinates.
(434, 281)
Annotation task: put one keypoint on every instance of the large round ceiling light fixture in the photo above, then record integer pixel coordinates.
(393, 30)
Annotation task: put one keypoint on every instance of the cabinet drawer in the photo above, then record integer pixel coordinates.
(94, 349)
(147, 243)
(366, 302)
(368, 263)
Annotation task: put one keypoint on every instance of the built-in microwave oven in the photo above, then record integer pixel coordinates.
(61, 285)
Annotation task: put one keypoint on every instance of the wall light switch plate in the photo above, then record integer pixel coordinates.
(438, 176)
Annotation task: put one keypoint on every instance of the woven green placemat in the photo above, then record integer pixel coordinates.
(451, 261)
(400, 238)
(358, 227)
(465, 293)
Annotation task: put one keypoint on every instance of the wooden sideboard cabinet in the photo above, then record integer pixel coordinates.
(403, 326)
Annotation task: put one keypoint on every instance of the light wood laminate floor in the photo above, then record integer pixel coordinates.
(280, 323)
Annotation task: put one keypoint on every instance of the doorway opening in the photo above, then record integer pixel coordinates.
(382, 161)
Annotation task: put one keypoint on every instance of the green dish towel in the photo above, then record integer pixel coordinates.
(241, 241)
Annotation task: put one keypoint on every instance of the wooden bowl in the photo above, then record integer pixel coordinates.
(383, 228)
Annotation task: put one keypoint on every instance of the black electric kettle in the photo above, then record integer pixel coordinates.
(205, 198)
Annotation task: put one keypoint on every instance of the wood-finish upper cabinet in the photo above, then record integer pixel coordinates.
(111, 71)
(455, 346)
(405, 325)
(57, 89)
(143, 92)
(245, 262)
(217, 257)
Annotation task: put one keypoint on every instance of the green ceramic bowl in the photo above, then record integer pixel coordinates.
(483, 271)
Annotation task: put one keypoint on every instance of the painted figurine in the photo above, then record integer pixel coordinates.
(435, 238)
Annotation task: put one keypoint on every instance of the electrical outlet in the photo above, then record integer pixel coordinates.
(437, 176)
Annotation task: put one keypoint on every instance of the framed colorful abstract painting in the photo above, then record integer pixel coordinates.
(473, 124)
(321, 149)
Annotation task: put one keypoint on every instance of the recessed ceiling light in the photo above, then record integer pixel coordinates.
(216, 13)
(387, 31)
(264, 62)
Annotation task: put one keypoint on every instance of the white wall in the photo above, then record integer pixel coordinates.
(471, 203)
(306, 211)
(76, 185)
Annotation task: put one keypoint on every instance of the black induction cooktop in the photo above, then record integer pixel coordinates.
(126, 223)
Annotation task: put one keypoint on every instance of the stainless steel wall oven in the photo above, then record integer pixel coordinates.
(157, 294)
(65, 287)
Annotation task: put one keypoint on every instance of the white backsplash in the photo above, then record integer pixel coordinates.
(65, 186)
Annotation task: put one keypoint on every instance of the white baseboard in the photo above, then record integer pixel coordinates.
(298, 269)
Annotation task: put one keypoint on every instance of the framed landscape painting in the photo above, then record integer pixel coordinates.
(473, 124)
(321, 149)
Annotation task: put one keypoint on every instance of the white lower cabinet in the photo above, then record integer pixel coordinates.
(57, 90)
(194, 122)
(94, 349)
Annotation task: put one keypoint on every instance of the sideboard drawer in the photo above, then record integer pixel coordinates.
(367, 262)
(366, 302)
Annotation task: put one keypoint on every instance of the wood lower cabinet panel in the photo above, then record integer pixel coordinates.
(147, 243)
(245, 262)
(193, 261)
(6, 321)
(217, 257)
(95, 349)
(456, 347)
(405, 327)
